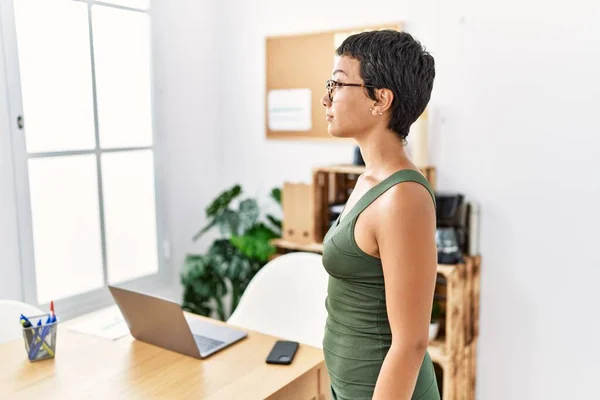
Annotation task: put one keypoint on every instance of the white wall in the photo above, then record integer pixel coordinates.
(515, 128)
(186, 47)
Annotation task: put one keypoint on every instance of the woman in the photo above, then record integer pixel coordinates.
(381, 252)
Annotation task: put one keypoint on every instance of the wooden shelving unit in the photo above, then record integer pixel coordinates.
(284, 246)
(457, 289)
(332, 184)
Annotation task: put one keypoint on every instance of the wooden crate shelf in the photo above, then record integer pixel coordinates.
(333, 184)
(437, 351)
(350, 169)
(284, 246)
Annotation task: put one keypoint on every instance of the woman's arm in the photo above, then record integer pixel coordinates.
(406, 240)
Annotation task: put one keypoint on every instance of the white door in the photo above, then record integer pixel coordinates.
(79, 77)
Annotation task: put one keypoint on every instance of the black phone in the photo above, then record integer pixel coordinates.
(283, 352)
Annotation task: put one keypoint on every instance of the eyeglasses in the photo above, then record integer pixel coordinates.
(331, 85)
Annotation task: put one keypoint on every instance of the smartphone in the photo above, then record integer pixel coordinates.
(283, 352)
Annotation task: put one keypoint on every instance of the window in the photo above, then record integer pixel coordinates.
(80, 95)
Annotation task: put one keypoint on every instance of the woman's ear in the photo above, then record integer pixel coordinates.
(385, 98)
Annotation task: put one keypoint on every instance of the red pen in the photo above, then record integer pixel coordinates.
(52, 308)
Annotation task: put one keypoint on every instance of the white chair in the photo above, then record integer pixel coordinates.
(10, 311)
(286, 298)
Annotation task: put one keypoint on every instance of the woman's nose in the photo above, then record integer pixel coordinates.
(325, 102)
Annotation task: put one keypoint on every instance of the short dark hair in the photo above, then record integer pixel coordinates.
(396, 61)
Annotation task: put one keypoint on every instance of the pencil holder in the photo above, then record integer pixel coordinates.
(40, 341)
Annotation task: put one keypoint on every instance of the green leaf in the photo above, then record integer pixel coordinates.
(237, 256)
(222, 248)
(255, 244)
(248, 214)
(276, 195)
(215, 210)
(235, 268)
(229, 222)
(193, 267)
(203, 280)
(223, 200)
(201, 232)
(275, 221)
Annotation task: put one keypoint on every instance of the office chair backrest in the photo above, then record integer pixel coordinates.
(286, 298)
(10, 311)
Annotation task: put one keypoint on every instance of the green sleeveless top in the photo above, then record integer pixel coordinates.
(357, 331)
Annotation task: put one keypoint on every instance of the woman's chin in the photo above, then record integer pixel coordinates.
(333, 131)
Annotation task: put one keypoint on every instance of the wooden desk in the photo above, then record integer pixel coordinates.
(91, 367)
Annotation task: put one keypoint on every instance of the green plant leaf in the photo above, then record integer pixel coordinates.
(236, 257)
(201, 232)
(215, 210)
(229, 222)
(203, 280)
(222, 248)
(195, 297)
(248, 214)
(236, 268)
(193, 267)
(223, 200)
(276, 195)
(276, 222)
(255, 244)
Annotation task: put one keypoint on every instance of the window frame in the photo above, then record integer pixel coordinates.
(92, 300)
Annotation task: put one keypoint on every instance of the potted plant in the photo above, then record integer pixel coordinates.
(434, 324)
(233, 259)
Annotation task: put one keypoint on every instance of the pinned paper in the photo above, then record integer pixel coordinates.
(289, 110)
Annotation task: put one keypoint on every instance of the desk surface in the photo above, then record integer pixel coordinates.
(87, 366)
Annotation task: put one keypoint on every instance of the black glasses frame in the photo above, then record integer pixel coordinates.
(331, 84)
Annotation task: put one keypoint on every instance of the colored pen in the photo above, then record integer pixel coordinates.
(30, 337)
(39, 342)
(28, 333)
(32, 340)
(35, 344)
(53, 319)
(27, 322)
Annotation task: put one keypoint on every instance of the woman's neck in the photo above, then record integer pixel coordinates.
(384, 153)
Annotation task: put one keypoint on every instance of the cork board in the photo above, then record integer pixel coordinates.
(297, 67)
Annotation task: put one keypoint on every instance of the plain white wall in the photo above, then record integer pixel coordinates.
(186, 46)
(513, 127)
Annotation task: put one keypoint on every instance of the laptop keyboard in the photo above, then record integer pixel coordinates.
(206, 344)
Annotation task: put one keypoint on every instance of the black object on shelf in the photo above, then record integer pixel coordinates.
(451, 232)
(335, 210)
(358, 159)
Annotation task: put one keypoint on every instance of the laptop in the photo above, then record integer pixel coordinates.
(162, 323)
